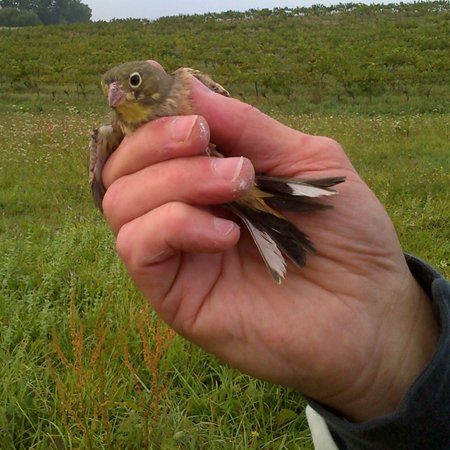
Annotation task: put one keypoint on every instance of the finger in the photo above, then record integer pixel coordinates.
(159, 140)
(196, 180)
(155, 63)
(242, 129)
(151, 246)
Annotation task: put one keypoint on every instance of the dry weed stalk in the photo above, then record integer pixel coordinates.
(84, 400)
(156, 339)
(85, 403)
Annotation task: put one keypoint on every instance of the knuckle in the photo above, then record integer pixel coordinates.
(329, 145)
(112, 201)
(177, 214)
(124, 242)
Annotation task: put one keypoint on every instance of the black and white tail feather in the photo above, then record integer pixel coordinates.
(273, 233)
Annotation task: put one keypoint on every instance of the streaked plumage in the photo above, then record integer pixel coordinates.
(139, 92)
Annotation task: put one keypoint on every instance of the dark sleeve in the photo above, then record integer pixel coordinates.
(422, 420)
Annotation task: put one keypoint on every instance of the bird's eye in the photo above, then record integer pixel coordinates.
(135, 80)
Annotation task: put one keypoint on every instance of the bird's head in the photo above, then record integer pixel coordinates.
(135, 89)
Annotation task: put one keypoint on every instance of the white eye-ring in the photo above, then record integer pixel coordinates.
(135, 80)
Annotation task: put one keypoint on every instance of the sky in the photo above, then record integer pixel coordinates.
(152, 9)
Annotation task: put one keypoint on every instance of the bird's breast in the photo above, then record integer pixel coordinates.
(133, 114)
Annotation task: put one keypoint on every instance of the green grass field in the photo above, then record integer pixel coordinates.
(84, 365)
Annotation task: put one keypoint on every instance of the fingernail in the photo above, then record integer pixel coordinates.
(223, 226)
(203, 129)
(228, 168)
(181, 127)
(234, 170)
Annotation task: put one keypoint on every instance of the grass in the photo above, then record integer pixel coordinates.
(85, 363)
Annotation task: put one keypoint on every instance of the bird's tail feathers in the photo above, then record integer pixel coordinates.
(297, 195)
(274, 235)
(297, 187)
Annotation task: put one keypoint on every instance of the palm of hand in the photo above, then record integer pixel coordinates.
(227, 301)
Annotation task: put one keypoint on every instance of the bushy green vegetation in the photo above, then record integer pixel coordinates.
(345, 56)
(84, 363)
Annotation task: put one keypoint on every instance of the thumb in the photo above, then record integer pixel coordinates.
(239, 129)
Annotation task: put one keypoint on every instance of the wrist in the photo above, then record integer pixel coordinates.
(409, 339)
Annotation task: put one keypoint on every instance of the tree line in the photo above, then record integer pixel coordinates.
(19, 13)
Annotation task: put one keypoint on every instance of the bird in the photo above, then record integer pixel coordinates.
(139, 92)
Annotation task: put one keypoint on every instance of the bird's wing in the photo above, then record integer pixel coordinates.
(104, 140)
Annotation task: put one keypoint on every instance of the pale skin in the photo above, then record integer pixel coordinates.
(352, 329)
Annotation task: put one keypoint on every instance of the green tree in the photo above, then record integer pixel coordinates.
(77, 12)
(48, 11)
(13, 17)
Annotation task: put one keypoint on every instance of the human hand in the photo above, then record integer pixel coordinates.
(352, 329)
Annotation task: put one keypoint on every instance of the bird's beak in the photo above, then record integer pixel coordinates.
(116, 95)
